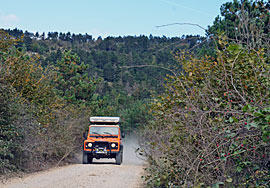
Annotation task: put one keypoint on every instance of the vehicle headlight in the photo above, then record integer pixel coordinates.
(113, 145)
(90, 145)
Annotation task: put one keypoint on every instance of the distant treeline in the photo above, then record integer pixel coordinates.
(72, 37)
(111, 58)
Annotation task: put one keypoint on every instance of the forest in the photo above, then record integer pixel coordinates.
(200, 103)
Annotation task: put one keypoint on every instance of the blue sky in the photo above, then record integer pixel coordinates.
(110, 17)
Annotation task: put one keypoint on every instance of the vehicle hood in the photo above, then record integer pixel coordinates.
(106, 139)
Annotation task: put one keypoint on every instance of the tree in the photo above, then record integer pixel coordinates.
(37, 35)
(6, 41)
(243, 21)
(72, 82)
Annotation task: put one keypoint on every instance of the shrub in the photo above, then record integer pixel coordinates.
(212, 125)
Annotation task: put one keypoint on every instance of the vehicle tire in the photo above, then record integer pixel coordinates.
(119, 158)
(85, 158)
(90, 159)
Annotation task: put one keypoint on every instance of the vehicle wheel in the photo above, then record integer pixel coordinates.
(90, 159)
(85, 158)
(119, 158)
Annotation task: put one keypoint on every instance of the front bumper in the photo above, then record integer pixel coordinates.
(102, 149)
(108, 154)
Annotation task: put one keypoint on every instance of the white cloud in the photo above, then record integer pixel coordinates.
(8, 19)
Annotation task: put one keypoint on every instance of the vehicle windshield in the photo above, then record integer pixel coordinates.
(104, 130)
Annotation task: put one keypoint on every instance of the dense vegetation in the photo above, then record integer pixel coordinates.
(211, 127)
(51, 84)
(126, 69)
(38, 125)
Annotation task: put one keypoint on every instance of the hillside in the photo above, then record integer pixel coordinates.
(128, 70)
(109, 58)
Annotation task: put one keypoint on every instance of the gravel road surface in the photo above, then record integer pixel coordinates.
(102, 173)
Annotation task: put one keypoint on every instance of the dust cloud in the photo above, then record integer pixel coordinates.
(131, 157)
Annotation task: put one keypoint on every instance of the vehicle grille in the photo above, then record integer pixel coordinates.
(101, 144)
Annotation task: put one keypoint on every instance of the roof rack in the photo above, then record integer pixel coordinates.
(104, 119)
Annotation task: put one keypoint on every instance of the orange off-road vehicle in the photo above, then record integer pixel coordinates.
(103, 140)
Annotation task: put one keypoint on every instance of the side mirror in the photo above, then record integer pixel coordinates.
(123, 135)
(85, 135)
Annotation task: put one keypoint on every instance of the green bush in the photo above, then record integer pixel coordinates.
(9, 135)
(38, 127)
(212, 125)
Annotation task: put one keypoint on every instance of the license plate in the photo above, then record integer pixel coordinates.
(100, 151)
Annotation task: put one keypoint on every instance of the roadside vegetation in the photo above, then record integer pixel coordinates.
(38, 125)
(211, 127)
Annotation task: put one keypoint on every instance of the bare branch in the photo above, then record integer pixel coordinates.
(180, 24)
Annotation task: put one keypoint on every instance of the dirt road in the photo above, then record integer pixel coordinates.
(103, 173)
